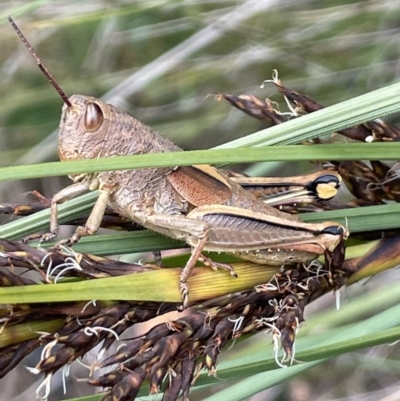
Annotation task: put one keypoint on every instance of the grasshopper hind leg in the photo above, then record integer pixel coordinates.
(187, 270)
(217, 265)
(198, 256)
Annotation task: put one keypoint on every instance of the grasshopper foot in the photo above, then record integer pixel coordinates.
(47, 237)
(80, 231)
(68, 242)
(215, 265)
(31, 237)
(41, 237)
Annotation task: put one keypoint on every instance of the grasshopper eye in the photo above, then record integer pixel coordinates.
(93, 117)
(327, 179)
(334, 230)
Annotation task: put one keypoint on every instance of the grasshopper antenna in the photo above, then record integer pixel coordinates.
(45, 71)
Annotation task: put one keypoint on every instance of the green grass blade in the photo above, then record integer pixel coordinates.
(159, 285)
(339, 151)
(68, 211)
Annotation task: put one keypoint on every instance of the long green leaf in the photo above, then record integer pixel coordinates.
(159, 285)
(340, 151)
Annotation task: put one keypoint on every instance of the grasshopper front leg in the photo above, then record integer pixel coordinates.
(96, 215)
(65, 194)
(94, 220)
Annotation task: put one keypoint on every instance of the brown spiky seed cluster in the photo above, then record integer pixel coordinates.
(171, 355)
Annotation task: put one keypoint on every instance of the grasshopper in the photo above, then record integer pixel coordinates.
(198, 204)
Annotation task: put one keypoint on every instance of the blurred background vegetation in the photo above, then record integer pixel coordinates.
(160, 61)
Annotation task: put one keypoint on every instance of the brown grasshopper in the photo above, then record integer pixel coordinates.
(199, 204)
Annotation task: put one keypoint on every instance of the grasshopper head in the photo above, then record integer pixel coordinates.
(83, 128)
(84, 122)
